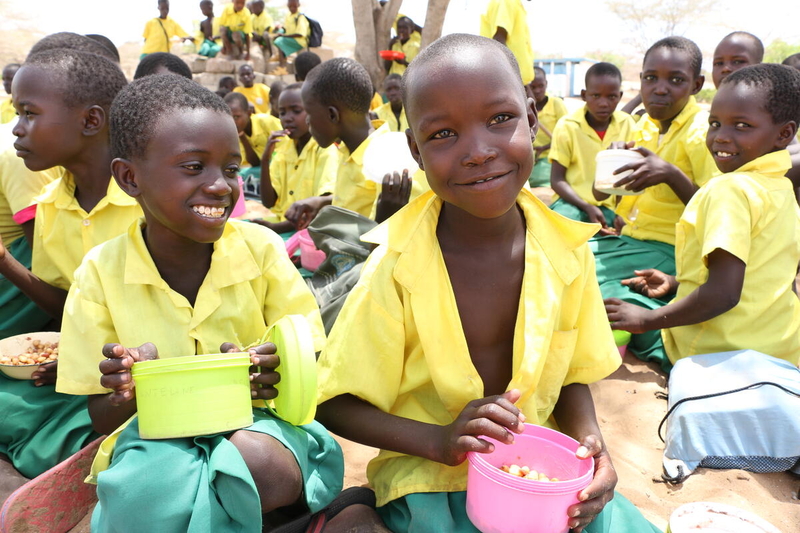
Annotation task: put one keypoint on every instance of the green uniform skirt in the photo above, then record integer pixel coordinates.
(209, 48)
(565, 208)
(18, 314)
(202, 484)
(540, 174)
(288, 45)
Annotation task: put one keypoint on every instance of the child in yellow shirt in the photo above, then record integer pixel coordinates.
(736, 50)
(402, 42)
(7, 113)
(550, 110)
(187, 281)
(441, 359)
(392, 112)
(254, 129)
(159, 32)
(295, 32)
(737, 251)
(235, 27)
(262, 28)
(256, 93)
(506, 21)
(577, 138)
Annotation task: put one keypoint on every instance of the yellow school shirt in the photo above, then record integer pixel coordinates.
(376, 102)
(298, 176)
(511, 15)
(575, 145)
(262, 125)
(262, 22)
(236, 21)
(158, 33)
(386, 114)
(297, 23)
(119, 296)
(653, 214)
(549, 116)
(752, 214)
(258, 95)
(64, 232)
(7, 111)
(401, 330)
(353, 190)
(410, 49)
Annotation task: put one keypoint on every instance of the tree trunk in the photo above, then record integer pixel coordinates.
(373, 23)
(434, 20)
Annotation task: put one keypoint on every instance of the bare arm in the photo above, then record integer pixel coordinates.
(633, 104)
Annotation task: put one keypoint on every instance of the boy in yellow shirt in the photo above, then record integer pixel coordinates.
(336, 97)
(254, 129)
(303, 63)
(577, 139)
(186, 281)
(7, 113)
(550, 110)
(296, 30)
(441, 359)
(402, 42)
(235, 27)
(262, 27)
(392, 112)
(736, 50)
(506, 21)
(298, 168)
(256, 93)
(62, 97)
(159, 32)
(737, 251)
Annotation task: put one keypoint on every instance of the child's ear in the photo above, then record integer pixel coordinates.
(533, 118)
(333, 114)
(698, 84)
(412, 145)
(786, 134)
(125, 176)
(94, 120)
(583, 94)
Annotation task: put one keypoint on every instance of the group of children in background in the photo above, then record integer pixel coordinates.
(141, 179)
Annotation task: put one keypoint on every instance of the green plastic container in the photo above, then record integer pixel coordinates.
(297, 391)
(194, 395)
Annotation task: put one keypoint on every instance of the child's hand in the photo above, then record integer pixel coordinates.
(2, 248)
(273, 139)
(495, 416)
(650, 171)
(596, 216)
(651, 282)
(45, 374)
(262, 374)
(302, 212)
(619, 223)
(621, 145)
(395, 192)
(600, 491)
(626, 316)
(116, 369)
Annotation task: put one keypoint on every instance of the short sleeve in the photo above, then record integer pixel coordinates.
(21, 185)
(42, 263)
(560, 108)
(277, 174)
(327, 167)
(725, 218)
(561, 145)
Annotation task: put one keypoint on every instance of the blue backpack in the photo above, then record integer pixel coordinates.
(315, 37)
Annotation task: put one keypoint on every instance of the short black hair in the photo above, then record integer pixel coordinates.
(792, 61)
(71, 41)
(139, 107)
(149, 65)
(227, 79)
(303, 64)
(406, 20)
(341, 82)
(539, 70)
(396, 77)
(82, 78)
(440, 53)
(276, 87)
(239, 98)
(780, 85)
(12, 65)
(105, 41)
(758, 46)
(602, 69)
(684, 45)
(293, 87)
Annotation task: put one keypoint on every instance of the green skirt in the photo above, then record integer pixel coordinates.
(39, 427)
(209, 48)
(18, 314)
(288, 45)
(562, 207)
(434, 512)
(202, 484)
(540, 174)
(616, 258)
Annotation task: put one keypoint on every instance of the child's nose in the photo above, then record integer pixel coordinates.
(220, 186)
(479, 153)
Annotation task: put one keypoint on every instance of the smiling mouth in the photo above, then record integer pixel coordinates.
(485, 180)
(724, 155)
(208, 211)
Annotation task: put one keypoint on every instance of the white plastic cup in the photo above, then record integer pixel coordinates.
(607, 162)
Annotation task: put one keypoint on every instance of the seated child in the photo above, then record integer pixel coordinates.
(7, 112)
(256, 93)
(235, 27)
(181, 282)
(209, 36)
(792, 61)
(736, 50)
(738, 255)
(442, 359)
(550, 110)
(162, 63)
(392, 111)
(262, 27)
(577, 138)
(336, 96)
(303, 63)
(298, 168)
(254, 129)
(402, 42)
(672, 138)
(62, 97)
(159, 32)
(226, 84)
(275, 90)
(296, 30)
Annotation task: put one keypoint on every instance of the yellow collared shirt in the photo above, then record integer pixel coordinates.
(410, 49)
(258, 95)
(262, 22)
(549, 116)
(576, 144)
(297, 23)
(353, 190)
(236, 21)
(401, 329)
(386, 114)
(298, 176)
(262, 125)
(511, 15)
(64, 232)
(158, 33)
(653, 214)
(376, 102)
(119, 296)
(752, 214)
(7, 111)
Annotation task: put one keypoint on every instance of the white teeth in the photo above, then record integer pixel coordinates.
(483, 181)
(724, 154)
(208, 211)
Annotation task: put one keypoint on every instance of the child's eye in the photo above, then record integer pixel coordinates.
(742, 125)
(442, 134)
(232, 171)
(677, 79)
(713, 124)
(649, 77)
(194, 167)
(717, 63)
(502, 117)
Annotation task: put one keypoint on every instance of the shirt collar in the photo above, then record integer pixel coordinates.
(62, 194)
(773, 164)
(652, 127)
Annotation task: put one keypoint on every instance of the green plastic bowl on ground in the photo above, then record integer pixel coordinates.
(296, 402)
(193, 395)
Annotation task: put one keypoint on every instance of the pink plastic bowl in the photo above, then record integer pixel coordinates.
(310, 257)
(498, 502)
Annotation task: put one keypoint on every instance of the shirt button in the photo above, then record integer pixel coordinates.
(291, 193)
(86, 222)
